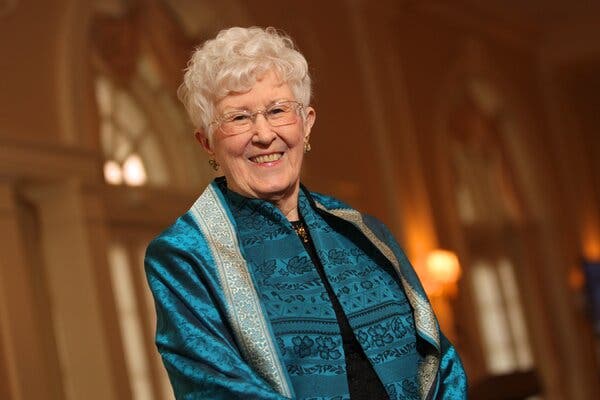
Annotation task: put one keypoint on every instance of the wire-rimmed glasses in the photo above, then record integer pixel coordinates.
(278, 114)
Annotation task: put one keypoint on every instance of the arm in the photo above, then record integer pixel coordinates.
(197, 349)
(452, 379)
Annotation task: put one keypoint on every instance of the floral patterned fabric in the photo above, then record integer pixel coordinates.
(299, 308)
(212, 345)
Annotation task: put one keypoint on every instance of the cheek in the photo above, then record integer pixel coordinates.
(296, 139)
(230, 149)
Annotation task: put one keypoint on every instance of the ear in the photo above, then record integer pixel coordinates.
(203, 139)
(309, 121)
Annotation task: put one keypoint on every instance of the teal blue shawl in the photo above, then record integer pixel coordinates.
(240, 311)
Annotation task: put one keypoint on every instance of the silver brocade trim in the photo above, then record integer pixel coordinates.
(424, 316)
(244, 310)
(427, 373)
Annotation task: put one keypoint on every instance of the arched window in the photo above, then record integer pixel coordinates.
(128, 139)
(488, 210)
(505, 339)
(146, 141)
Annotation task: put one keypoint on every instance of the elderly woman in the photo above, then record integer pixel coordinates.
(265, 290)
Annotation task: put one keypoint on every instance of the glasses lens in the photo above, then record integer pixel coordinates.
(282, 114)
(236, 122)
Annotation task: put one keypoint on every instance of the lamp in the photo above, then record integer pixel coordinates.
(444, 271)
(443, 266)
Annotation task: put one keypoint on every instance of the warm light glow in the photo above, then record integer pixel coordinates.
(576, 278)
(590, 233)
(420, 239)
(113, 173)
(591, 242)
(443, 266)
(134, 171)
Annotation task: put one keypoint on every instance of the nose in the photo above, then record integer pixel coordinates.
(263, 132)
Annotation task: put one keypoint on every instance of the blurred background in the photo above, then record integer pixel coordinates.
(471, 128)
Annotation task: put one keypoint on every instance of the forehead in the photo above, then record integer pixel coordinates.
(267, 89)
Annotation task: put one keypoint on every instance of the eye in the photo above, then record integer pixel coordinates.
(278, 110)
(238, 117)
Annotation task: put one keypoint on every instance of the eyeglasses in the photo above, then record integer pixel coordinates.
(278, 114)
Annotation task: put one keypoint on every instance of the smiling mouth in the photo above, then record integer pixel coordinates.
(266, 158)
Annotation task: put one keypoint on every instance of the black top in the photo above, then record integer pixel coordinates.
(362, 378)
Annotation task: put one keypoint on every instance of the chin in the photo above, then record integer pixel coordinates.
(275, 190)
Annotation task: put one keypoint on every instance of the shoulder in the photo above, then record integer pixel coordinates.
(330, 203)
(378, 227)
(179, 252)
(182, 234)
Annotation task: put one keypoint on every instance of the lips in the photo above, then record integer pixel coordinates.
(266, 158)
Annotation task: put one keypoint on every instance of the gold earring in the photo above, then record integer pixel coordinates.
(213, 164)
(306, 147)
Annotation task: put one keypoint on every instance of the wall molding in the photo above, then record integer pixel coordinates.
(23, 160)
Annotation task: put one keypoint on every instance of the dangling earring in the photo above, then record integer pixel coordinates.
(213, 164)
(306, 147)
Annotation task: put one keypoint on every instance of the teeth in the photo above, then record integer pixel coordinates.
(266, 158)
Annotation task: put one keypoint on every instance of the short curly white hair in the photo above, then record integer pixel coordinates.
(232, 62)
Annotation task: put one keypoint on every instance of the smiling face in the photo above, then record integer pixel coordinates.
(264, 162)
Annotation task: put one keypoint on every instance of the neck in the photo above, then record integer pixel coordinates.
(288, 207)
(286, 202)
